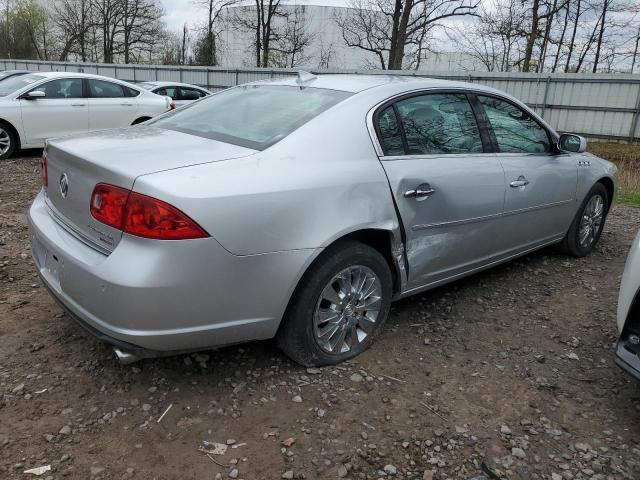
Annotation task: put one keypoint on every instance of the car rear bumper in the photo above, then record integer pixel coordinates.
(628, 357)
(164, 295)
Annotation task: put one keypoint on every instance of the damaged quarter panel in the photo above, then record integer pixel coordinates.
(291, 195)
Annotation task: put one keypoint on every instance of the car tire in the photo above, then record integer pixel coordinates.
(313, 322)
(8, 141)
(586, 227)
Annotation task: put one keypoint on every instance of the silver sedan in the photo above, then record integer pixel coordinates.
(301, 208)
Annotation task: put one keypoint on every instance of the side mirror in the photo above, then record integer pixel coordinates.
(34, 94)
(569, 142)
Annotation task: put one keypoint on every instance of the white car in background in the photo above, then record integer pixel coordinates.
(180, 93)
(44, 105)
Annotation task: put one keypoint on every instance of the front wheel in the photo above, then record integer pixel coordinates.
(586, 228)
(7, 141)
(339, 307)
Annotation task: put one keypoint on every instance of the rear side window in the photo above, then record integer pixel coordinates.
(102, 89)
(187, 93)
(254, 116)
(433, 124)
(168, 91)
(515, 130)
(130, 92)
(390, 134)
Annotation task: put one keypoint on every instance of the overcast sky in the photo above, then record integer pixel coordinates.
(180, 11)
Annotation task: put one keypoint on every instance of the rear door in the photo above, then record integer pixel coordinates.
(541, 181)
(62, 111)
(448, 186)
(110, 105)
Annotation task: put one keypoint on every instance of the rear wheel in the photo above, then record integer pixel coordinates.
(7, 141)
(339, 307)
(586, 228)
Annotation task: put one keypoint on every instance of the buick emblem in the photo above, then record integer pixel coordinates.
(64, 185)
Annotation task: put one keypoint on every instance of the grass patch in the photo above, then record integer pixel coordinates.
(627, 159)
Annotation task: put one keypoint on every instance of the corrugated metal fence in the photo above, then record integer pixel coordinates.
(594, 105)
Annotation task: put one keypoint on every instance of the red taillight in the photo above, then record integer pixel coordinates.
(142, 215)
(44, 171)
(172, 106)
(107, 204)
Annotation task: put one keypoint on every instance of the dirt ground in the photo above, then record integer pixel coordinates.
(507, 374)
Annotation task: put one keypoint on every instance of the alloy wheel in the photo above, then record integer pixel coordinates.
(591, 221)
(347, 310)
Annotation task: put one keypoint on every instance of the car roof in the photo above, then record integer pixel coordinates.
(357, 83)
(76, 75)
(171, 84)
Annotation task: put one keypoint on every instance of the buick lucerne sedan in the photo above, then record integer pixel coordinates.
(300, 208)
(42, 105)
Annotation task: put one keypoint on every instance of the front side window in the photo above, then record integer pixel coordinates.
(61, 88)
(432, 124)
(102, 89)
(515, 130)
(254, 116)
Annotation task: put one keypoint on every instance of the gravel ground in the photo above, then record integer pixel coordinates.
(507, 374)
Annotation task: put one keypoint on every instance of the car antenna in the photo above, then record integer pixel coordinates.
(305, 77)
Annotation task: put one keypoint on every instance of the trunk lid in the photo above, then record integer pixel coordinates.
(117, 157)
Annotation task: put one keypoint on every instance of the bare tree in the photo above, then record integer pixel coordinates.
(288, 50)
(387, 28)
(140, 25)
(207, 48)
(74, 20)
(261, 20)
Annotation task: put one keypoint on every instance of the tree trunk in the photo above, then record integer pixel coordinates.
(635, 52)
(397, 14)
(605, 6)
(545, 40)
(533, 35)
(573, 38)
(561, 41)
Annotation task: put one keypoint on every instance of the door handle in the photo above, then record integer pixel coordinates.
(127, 104)
(520, 182)
(420, 192)
(78, 104)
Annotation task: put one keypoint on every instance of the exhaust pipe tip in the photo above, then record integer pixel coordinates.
(125, 358)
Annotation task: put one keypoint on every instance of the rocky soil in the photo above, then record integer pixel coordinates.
(508, 374)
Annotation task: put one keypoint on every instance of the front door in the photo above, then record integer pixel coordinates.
(540, 198)
(62, 111)
(448, 188)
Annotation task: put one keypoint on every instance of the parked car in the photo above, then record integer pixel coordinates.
(180, 93)
(12, 73)
(301, 213)
(43, 105)
(628, 347)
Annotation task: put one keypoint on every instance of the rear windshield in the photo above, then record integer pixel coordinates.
(253, 116)
(12, 84)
